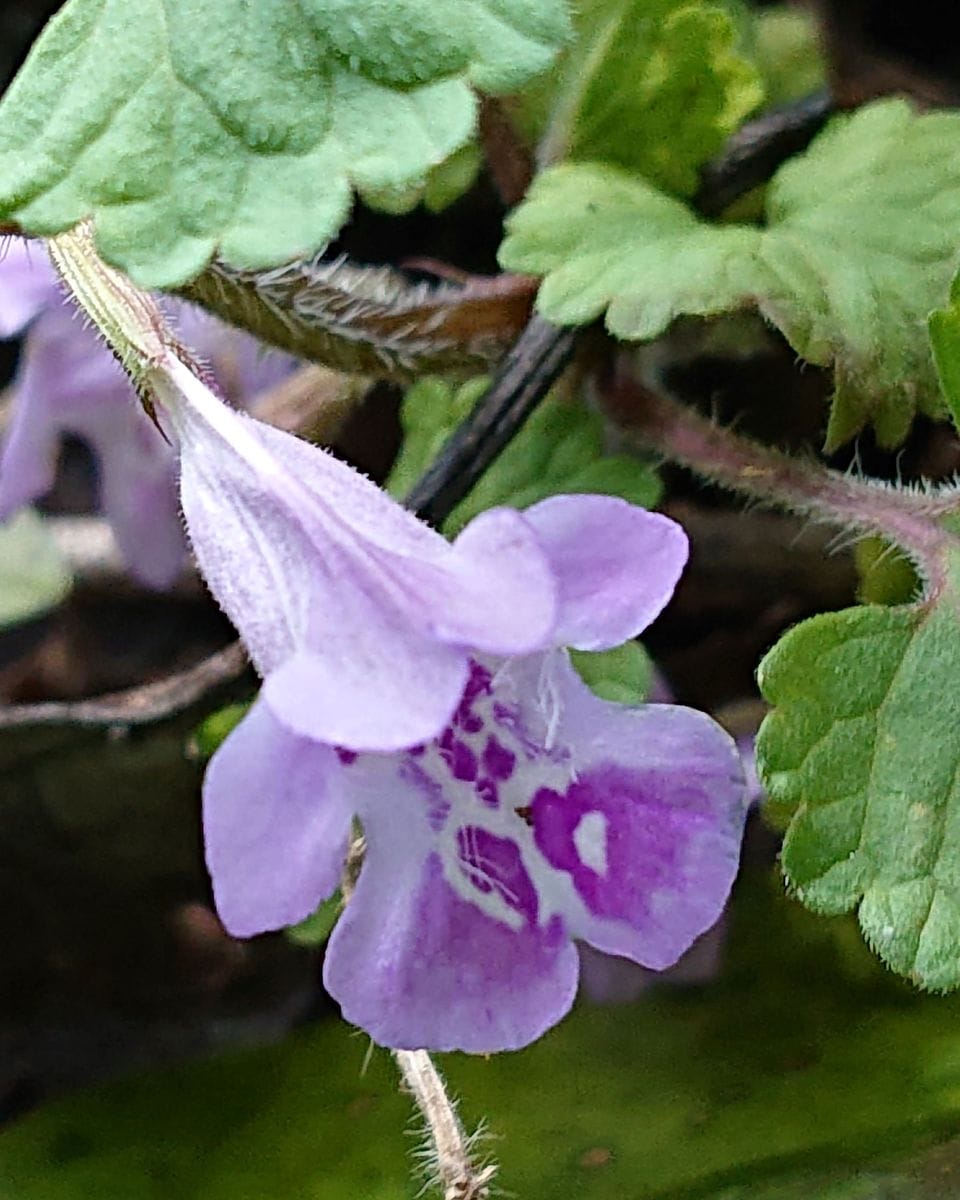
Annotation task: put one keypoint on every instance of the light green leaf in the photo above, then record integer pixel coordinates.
(186, 128)
(560, 449)
(788, 49)
(216, 728)
(886, 574)
(837, 267)
(315, 929)
(863, 751)
(33, 574)
(655, 86)
(623, 675)
(944, 329)
(454, 176)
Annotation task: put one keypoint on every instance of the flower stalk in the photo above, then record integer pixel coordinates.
(129, 319)
(449, 1156)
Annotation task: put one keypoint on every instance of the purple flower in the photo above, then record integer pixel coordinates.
(360, 618)
(539, 814)
(69, 383)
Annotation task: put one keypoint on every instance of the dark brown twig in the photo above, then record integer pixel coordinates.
(523, 379)
(758, 148)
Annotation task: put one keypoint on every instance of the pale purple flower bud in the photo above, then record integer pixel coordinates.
(69, 383)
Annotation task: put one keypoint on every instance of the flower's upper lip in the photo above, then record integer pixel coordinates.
(359, 616)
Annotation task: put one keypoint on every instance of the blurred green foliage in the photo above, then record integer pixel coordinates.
(33, 575)
(802, 1073)
(559, 449)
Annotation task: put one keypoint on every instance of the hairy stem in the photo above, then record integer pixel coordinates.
(449, 1159)
(907, 518)
(542, 351)
(369, 320)
(454, 1170)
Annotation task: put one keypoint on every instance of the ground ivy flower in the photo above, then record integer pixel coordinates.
(360, 618)
(421, 687)
(69, 383)
(539, 815)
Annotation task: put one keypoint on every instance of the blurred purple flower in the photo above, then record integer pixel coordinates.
(539, 814)
(608, 979)
(69, 383)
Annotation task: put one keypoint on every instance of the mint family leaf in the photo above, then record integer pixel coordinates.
(217, 727)
(862, 751)
(654, 86)
(315, 929)
(33, 574)
(186, 129)
(944, 329)
(786, 44)
(560, 449)
(839, 267)
(623, 675)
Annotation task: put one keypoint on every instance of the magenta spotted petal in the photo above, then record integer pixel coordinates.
(540, 815)
(416, 964)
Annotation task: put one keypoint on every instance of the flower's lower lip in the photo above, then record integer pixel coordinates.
(630, 851)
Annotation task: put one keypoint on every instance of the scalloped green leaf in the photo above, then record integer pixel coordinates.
(560, 449)
(655, 86)
(185, 128)
(862, 751)
(788, 50)
(315, 929)
(944, 330)
(860, 243)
